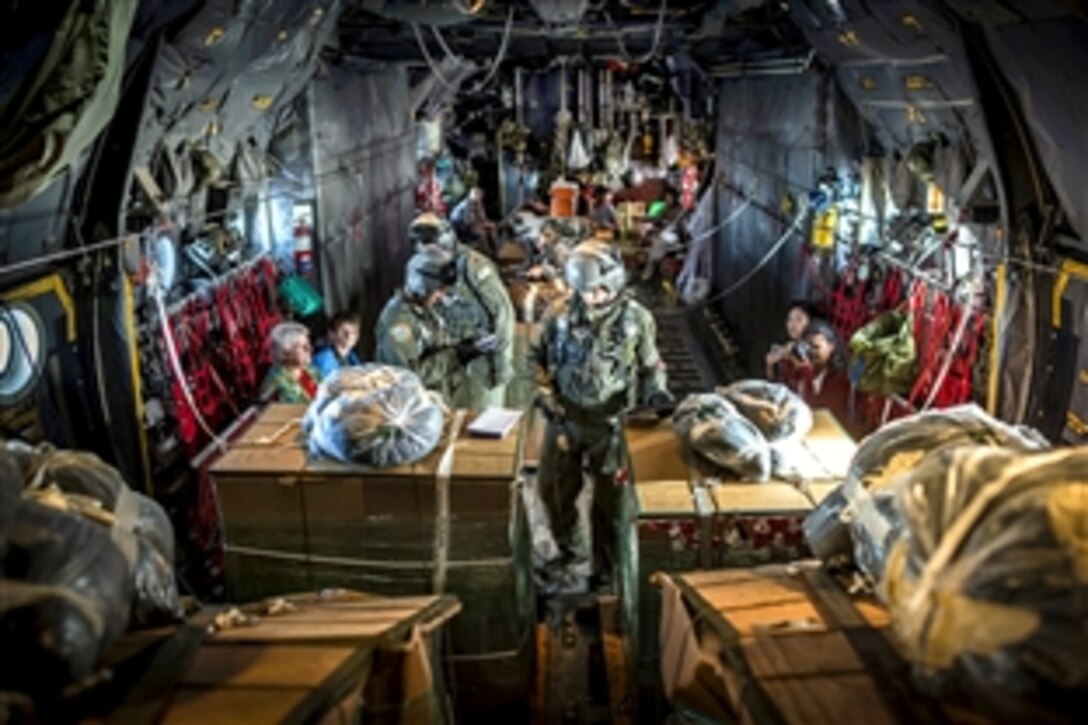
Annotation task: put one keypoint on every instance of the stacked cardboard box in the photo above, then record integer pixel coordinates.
(452, 522)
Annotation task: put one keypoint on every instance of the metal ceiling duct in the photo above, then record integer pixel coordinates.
(560, 12)
(438, 13)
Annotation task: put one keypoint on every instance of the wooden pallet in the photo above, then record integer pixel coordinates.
(325, 658)
(785, 644)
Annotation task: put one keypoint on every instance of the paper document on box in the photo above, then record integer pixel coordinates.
(494, 423)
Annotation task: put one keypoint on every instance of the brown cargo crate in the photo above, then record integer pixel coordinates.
(684, 523)
(291, 523)
(342, 657)
(785, 644)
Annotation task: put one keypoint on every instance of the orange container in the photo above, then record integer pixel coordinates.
(564, 199)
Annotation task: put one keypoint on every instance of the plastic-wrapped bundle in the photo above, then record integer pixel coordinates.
(718, 434)
(989, 583)
(85, 474)
(64, 598)
(376, 415)
(777, 411)
(866, 506)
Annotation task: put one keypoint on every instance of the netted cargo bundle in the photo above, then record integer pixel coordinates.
(82, 474)
(150, 535)
(721, 439)
(375, 415)
(988, 584)
(864, 506)
(65, 594)
(777, 411)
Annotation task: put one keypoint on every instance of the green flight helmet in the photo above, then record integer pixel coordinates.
(594, 264)
(430, 269)
(429, 228)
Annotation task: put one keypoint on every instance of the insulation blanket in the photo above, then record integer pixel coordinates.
(375, 415)
(988, 586)
(715, 431)
(867, 507)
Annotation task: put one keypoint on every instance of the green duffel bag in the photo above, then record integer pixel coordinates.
(882, 355)
(301, 297)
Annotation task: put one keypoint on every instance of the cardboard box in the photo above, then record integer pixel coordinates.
(292, 523)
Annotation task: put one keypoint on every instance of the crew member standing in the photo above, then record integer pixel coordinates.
(596, 357)
(477, 312)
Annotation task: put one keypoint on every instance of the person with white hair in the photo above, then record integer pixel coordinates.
(292, 377)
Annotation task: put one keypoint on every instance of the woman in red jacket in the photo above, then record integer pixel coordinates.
(823, 382)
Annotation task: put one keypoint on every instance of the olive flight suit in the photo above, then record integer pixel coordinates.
(589, 368)
(411, 335)
(479, 305)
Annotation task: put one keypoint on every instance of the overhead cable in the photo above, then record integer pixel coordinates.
(657, 37)
(430, 61)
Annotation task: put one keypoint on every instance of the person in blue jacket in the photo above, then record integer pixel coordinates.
(340, 351)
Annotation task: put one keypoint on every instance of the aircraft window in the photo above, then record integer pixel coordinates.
(21, 354)
(165, 255)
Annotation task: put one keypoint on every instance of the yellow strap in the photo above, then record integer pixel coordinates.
(53, 283)
(1070, 268)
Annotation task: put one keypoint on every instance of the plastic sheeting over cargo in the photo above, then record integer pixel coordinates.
(776, 410)
(989, 584)
(865, 503)
(375, 415)
(144, 531)
(716, 432)
(82, 558)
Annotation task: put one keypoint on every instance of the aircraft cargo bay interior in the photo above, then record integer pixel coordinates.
(550, 361)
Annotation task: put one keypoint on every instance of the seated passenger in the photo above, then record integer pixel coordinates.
(340, 350)
(822, 381)
(783, 360)
(292, 377)
(603, 214)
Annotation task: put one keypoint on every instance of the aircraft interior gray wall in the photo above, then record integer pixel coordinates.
(364, 165)
(772, 145)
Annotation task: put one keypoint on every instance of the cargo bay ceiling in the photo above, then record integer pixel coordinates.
(542, 30)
